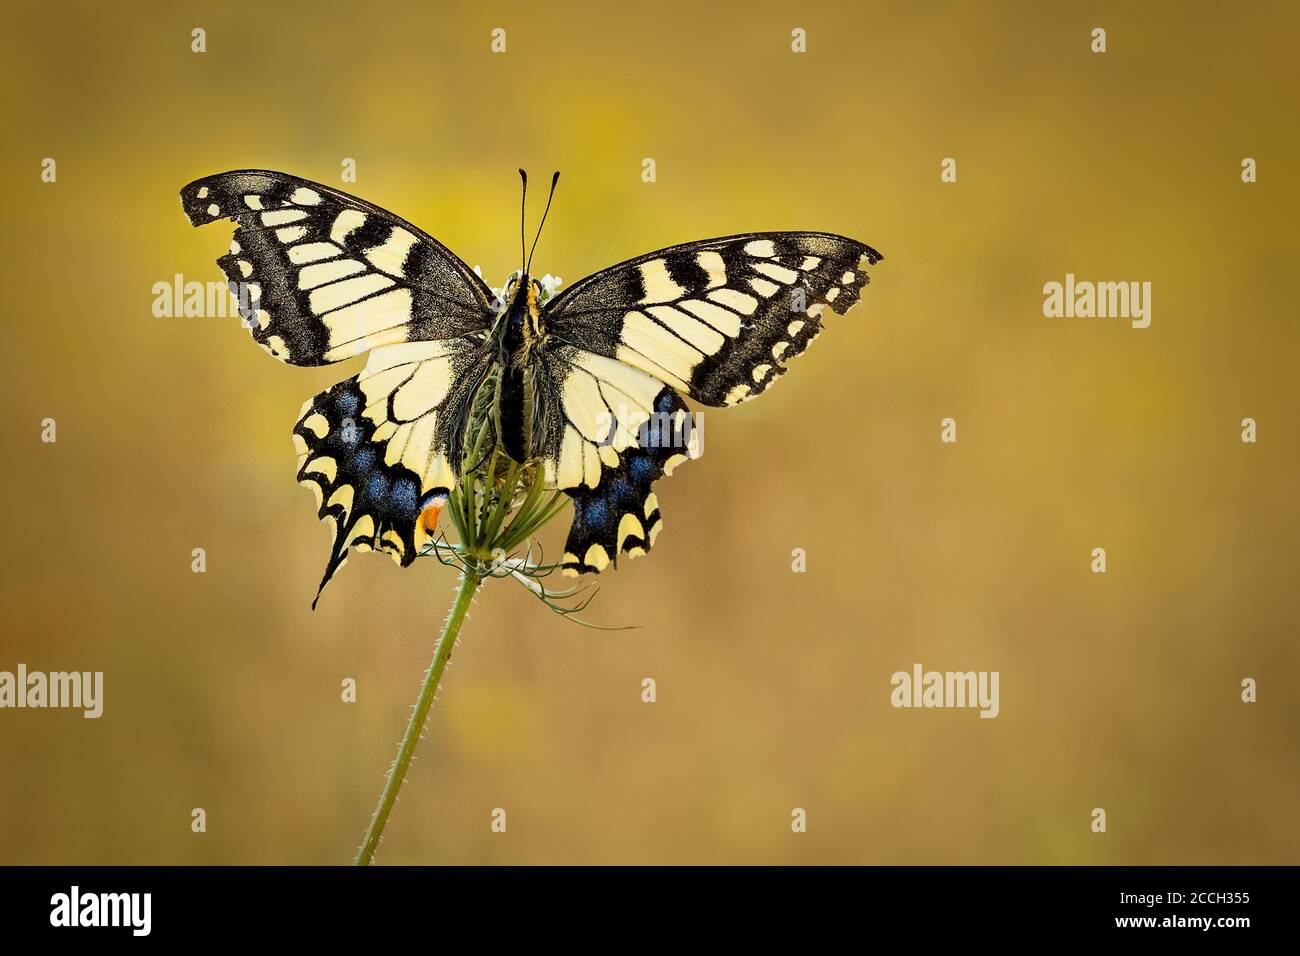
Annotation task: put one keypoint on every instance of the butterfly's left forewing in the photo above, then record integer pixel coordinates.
(324, 276)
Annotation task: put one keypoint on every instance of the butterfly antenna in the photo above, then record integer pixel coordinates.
(523, 208)
(529, 263)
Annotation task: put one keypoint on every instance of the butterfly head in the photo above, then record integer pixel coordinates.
(519, 323)
(521, 288)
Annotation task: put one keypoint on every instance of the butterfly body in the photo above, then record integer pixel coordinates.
(589, 382)
(518, 335)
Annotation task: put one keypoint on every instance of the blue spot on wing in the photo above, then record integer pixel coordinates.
(404, 494)
(376, 488)
(597, 511)
(363, 460)
(641, 468)
(620, 491)
(346, 403)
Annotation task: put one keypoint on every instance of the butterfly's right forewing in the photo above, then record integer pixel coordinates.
(717, 319)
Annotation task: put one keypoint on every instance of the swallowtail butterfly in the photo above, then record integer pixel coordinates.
(577, 378)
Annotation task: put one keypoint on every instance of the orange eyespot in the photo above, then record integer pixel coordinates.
(427, 523)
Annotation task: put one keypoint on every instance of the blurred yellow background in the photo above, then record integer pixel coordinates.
(1118, 690)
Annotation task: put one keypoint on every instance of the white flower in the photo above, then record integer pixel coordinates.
(550, 285)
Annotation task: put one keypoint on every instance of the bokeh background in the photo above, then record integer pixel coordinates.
(1118, 691)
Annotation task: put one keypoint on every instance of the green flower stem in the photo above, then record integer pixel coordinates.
(469, 583)
(504, 498)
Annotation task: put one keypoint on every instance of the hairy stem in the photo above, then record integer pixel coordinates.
(442, 653)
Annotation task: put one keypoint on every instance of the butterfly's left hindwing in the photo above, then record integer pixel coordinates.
(716, 319)
(323, 276)
(379, 448)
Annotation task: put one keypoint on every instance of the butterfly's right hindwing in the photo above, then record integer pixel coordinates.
(609, 432)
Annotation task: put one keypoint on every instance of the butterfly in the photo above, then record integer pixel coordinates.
(590, 381)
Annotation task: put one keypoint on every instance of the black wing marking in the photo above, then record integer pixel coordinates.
(609, 431)
(329, 275)
(385, 445)
(715, 319)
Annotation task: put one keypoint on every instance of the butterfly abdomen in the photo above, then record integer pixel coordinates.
(513, 396)
(519, 333)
